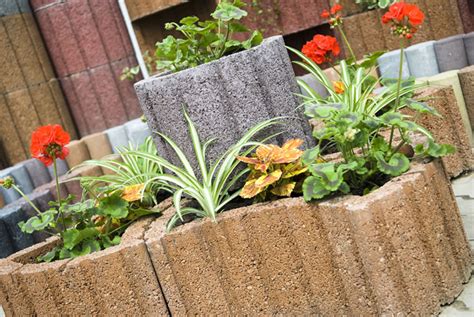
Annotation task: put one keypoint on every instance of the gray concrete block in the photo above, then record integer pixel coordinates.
(11, 215)
(11, 7)
(117, 137)
(469, 47)
(421, 59)
(62, 166)
(389, 65)
(314, 84)
(137, 131)
(38, 172)
(450, 53)
(41, 200)
(9, 195)
(6, 246)
(22, 178)
(224, 99)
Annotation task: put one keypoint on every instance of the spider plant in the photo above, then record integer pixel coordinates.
(211, 187)
(127, 171)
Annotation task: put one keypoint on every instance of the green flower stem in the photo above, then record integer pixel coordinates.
(399, 85)
(26, 198)
(344, 38)
(58, 191)
(227, 35)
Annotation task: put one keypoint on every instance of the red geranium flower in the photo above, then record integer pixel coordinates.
(320, 48)
(332, 16)
(336, 8)
(47, 143)
(405, 18)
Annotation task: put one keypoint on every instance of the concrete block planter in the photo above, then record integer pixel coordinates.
(397, 251)
(421, 59)
(224, 98)
(466, 78)
(450, 53)
(116, 281)
(469, 46)
(137, 131)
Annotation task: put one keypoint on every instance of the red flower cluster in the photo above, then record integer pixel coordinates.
(332, 15)
(47, 143)
(320, 48)
(405, 18)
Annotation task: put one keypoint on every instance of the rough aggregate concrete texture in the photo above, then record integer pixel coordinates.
(448, 128)
(142, 8)
(466, 8)
(293, 258)
(117, 281)
(450, 53)
(466, 78)
(224, 98)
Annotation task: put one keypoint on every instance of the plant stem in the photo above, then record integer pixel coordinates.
(347, 42)
(19, 191)
(58, 191)
(227, 33)
(400, 74)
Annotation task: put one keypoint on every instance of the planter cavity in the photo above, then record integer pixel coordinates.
(117, 137)
(421, 59)
(389, 64)
(224, 98)
(469, 46)
(466, 78)
(290, 257)
(450, 53)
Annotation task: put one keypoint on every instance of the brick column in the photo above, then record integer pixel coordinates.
(89, 46)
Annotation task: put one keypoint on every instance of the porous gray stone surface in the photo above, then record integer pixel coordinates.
(450, 53)
(389, 65)
(469, 46)
(38, 172)
(117, 137)
(11, 215)
(225, 98)
(6, 247)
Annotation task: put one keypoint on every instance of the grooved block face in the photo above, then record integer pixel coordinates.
(45, 104)
(466, 9)
(466, 78)
(389, 64)
(98, 145)
(10, 71)
(421, 59)
(62, 107)
(441, 17)
(372, 31)
(125, 87)
(220, 96)
(78, 153)
(11, 215)
(51, 188)
(74, 186)
(61, 166)
(75, 105)
(10, 139)
(450, 53)
(352, 29)
(288, 257)
(22, 178)
(6, 247)
(38, 172)
(469, 46)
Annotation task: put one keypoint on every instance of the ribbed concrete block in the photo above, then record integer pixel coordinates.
(41, 289)
(98, 145)
(74, 187)
(469, 47)
(444, 18)
(314, 84)
(389, 65)
(6, 247)
(38, 172)
(41, 200)
(137, 131)
(450, 53)
(61, 166)
(9, 136)
(372, 31)
(290, 257)
(421, 59)
(225, 98)
(78, 153)
(22, 178)
(352, 29)
(9, 195)
(451, 78)
(117, 137)
(142, 8)
(466, 10)
(11, 215)
(466, 79)
(51, 188)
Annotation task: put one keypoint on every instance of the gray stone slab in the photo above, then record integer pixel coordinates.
(9, 195)
(314, 84)
(469, 47)
(117, 137)
(11, 215)
(137, 131)
(389, 65)
(63, 168)
(421, 59)
(38, 172)
(22, 178)
(450, 53)
(6, 246)
(225, 98)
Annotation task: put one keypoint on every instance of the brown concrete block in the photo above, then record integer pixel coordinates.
(74, 186)
(466, 9)
(350, 6)
(21, 42)
(98, 145)
(142, 8)
(448, 128)
(10, 71)
(119, 280)
(372, 31)
(352, 29)
(290, 257)
(78, 153)
(10, 140)
(466, 78)
(425, 32)
(44, 104)
(62, 107)
(441, 18)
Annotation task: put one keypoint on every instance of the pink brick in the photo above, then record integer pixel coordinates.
(75, 106)
(39, 4)
(87, 34)
(129, 96)
(109, 97)
(121, 29)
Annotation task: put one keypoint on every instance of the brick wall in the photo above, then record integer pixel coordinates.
(89, 46)
(30, 95)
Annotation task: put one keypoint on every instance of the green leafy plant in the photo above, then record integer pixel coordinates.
(375, 4)
(202, 41)
(127, 175)
(210, 189)
(274, 171)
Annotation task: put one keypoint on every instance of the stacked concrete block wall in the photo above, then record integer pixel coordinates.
(367, 33)
(466, 8)
(141, 8)
(30, 95)
(89, 46)
(463, 188)
(466, 78)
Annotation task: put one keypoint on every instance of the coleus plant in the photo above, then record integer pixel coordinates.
(274, 171)
(202, 41)
(355, 119)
